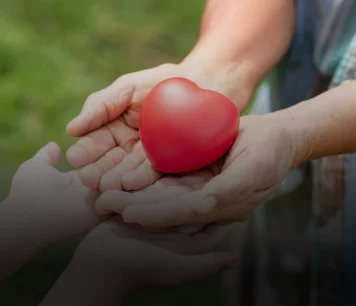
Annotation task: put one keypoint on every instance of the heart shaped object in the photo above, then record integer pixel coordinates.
(184, 127)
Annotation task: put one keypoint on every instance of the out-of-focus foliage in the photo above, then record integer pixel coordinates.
(54, 53)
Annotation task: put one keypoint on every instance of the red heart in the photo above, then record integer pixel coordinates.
(184, 127)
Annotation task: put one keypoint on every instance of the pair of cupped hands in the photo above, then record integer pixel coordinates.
(111, 159)
(170, 218)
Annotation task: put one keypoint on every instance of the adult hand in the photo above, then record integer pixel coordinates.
(110, 120)
(257, 163)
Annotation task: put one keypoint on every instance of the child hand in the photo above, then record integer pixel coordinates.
(54, 205)
(141, 258)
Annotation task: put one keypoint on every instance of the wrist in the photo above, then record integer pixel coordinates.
(88, 281)
(106, 271)
(20, 216)
(232, 77)
(298, 130)
(20, 237)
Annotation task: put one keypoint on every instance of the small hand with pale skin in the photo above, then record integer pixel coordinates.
(146, 258)
(56, 204)
(260, 158)
(115, 259)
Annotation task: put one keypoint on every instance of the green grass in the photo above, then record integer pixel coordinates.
(53, 54)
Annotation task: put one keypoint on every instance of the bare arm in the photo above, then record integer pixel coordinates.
(324, 125)
(87, 282)
(21, 239)
(242, 39)
(115, 260)
(42, 207)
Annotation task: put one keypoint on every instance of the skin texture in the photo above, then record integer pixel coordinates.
(227, 191)
(108, 123)
(115, 148)
(43, 206)
(324, 125)
(268, 148)
(234, 52)
(116, 259)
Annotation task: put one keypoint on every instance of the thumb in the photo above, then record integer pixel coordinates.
(101, 108)
(50, 154)
(229, 187)
(200, 266)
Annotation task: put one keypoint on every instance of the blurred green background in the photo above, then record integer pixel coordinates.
(53, 54)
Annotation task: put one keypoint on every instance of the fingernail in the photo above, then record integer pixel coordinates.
(51, 143)
(206, 205)
(51, 146)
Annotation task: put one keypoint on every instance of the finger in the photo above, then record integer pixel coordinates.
(94, 145)
(144, 176)
(124, 136)
(90, 147)
(117, 200)
(204, 211)
(91, 174)
(196, 180)
(102, 107)
(189, 229)
(231, 186)
(171, 212)
(211, 236)
(155, 194)
(200, 266)
(112, 179)
(50, 154)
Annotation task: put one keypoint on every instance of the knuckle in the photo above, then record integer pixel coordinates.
(27, 165)
(122, 80)
(105, 163)
(123, 84)
(84, 144)
(93, 98)
(166, 65)
(133, 158)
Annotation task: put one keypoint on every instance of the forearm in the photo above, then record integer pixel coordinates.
(324, 125)
(21, 239)
(87, 282)
(245, 38)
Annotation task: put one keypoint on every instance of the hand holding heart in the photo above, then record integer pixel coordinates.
(228, 191)
(108, 125)
(113, 152)
(185, 128)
